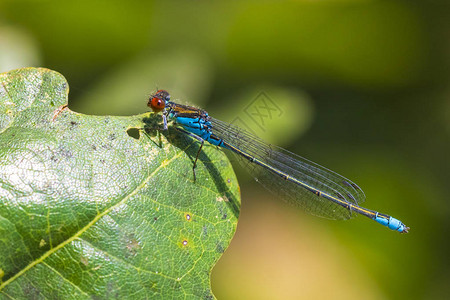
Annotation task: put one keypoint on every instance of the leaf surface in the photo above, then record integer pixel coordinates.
(92, 207)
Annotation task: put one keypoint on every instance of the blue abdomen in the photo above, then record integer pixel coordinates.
(201, 128)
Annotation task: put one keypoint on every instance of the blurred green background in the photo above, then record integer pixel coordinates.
(361, 87)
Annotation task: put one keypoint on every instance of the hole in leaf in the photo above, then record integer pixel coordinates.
(134, 133)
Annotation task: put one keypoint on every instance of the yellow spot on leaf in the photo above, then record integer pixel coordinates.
(164, 163)
(222, 198)
(84, 261)
(97, 267)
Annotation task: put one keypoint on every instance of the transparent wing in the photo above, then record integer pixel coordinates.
(308, 172)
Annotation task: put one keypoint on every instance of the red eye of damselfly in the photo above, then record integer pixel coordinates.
(156, 104)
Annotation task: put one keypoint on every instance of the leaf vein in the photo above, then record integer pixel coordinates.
(125, 262)
(85, 228)
(64, 278)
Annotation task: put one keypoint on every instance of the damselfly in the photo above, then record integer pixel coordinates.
(297, 180)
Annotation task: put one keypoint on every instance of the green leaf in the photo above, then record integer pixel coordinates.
(92, 206)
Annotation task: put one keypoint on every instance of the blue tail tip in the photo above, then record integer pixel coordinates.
(392, 223)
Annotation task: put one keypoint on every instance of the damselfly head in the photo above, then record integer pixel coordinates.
(157, 102)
